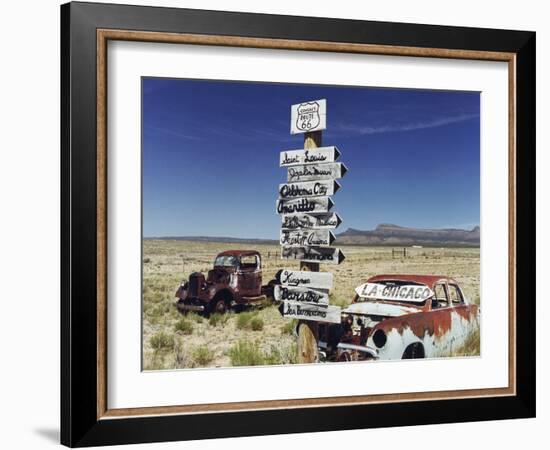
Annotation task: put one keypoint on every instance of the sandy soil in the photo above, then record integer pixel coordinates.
(203, 344)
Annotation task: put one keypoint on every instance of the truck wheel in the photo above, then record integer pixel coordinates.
(220, 307)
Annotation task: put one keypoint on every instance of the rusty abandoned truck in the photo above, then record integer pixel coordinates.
(401, 317)
(234, 281)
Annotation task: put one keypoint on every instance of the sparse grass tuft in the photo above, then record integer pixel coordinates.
(471, 347)
(243, 320)
(162, 341)
(249, 353)
(282, 355)
(194, 317)
(289, 327)
(246, 353)
(218, 319)
(249, 320)
(257, 324)
(184, 326)
(203, 356)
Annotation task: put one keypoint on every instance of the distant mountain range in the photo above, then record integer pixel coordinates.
(388, 234)
(214, 239)
(383, 234)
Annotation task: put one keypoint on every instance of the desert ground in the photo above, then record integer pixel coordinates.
(260, 335)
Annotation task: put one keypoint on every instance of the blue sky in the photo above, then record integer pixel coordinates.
(210, 156)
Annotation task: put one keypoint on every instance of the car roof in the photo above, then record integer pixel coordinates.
(428, 280)
(239, 253)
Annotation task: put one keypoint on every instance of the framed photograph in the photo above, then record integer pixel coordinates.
(276, 224)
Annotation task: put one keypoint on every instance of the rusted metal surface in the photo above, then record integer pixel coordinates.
(240, 253)
(400, 329)
(428, 280)
(232, 281)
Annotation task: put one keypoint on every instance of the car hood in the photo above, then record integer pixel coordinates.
(380, 309)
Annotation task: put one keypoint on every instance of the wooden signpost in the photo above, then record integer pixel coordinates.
(304, 203)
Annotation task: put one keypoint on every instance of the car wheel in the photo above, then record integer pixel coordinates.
(414, 351)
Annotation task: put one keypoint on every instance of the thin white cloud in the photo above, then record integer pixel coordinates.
(362, 130)
(162, 130)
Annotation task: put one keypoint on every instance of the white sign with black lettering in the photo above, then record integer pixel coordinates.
(301, 294)
(312, 172)
(306, 311)
(395, 292)
(304, 205)
(300, 238)
(317, 221)
(327, 255)
(308, 116)
(319, 155)
(308, 189)
(299, 278)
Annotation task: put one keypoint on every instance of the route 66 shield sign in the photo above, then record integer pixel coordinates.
(308, 116)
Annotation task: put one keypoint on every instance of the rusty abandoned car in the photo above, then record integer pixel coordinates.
(234, 281)
(401, 317)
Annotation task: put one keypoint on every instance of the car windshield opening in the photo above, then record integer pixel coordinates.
(226, 261)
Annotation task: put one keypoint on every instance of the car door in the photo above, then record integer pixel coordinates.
(466, 319)
(438, 322)
(250, 276)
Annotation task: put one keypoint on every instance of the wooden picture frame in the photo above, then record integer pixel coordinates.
(85, 416)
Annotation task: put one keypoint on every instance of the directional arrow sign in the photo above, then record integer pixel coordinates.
(304, 205)
(300, 238)
(305, 311)
(299, 221)
(328, 255)
(308, 189)
(297, 278)
(312, 172)
(301, 294)
(318, 155)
